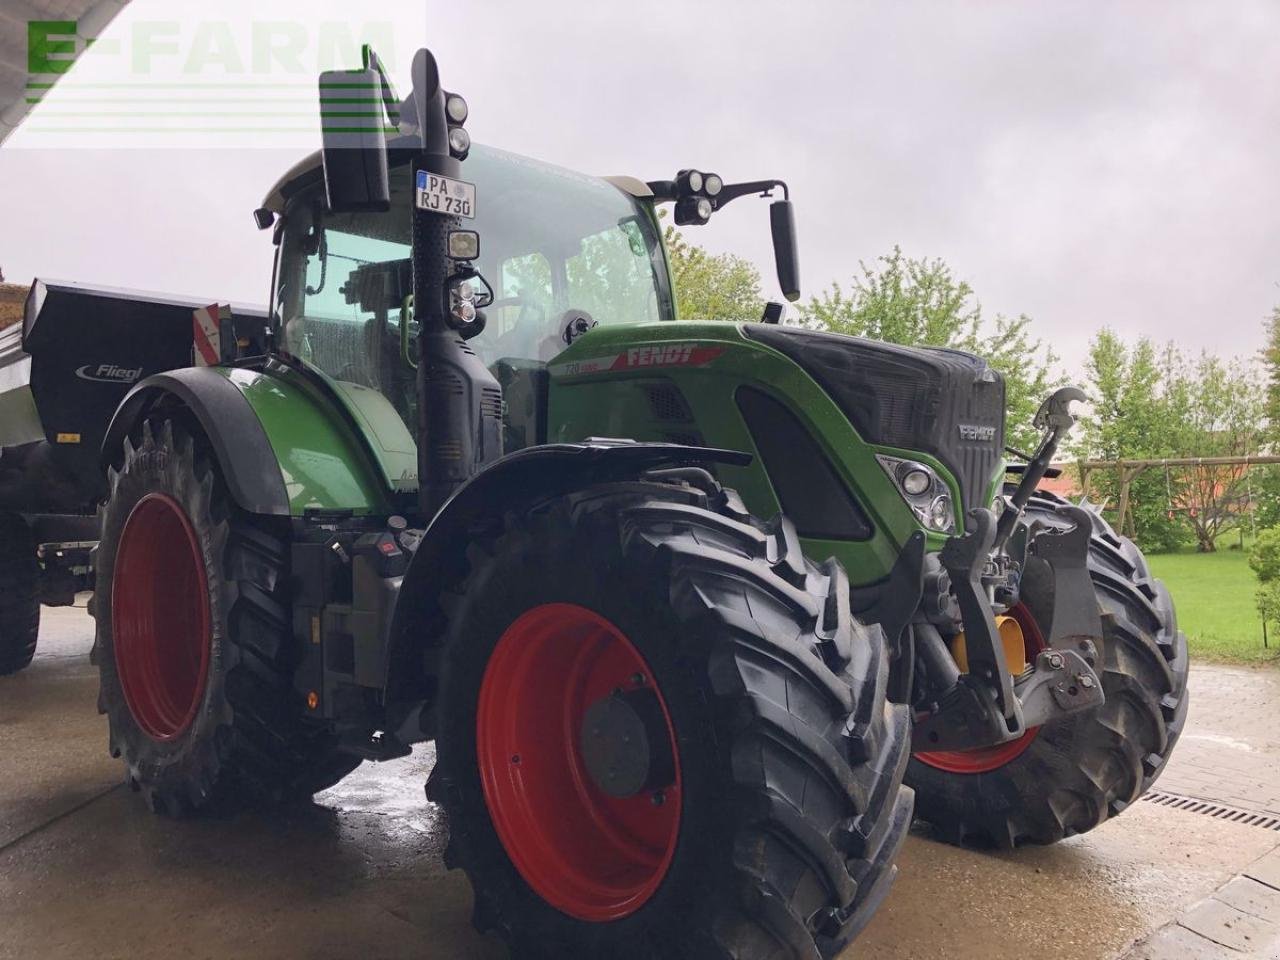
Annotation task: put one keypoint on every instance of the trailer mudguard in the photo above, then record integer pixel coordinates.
(282, 452)
(511, 483)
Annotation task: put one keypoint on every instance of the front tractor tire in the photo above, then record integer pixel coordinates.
(193, 642)
(661, 734)
(19, 594)
(1072, 775)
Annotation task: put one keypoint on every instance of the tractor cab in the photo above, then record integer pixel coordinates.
(562, 251)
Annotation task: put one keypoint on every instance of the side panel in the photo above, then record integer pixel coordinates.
(677, 382)
(324, 466)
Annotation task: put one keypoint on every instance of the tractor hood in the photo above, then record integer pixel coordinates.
(946, 403)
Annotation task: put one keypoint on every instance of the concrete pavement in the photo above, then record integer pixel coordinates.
(87, 872)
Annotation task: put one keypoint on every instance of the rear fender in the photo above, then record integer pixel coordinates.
(240, 444)
(280, 450)
(512, 483)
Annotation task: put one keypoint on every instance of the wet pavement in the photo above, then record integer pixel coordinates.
(1231, 751)
(87, 872)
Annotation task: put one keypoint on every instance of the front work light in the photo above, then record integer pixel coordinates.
(456, 107)
(459, 142)
(464, 245)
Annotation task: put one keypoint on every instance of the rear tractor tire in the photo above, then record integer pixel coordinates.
(193, 644)
(1072, 775)
(661, 734)
(19, 594)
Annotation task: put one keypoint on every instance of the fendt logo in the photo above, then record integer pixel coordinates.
(108, 373)
(977, 432)
(667, 356)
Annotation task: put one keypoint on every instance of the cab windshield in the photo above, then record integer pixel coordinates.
(553, 243)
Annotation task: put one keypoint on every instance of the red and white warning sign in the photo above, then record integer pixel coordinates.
(207, 326)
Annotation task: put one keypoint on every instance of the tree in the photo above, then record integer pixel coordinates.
(1154, 404)
(1218, 409)
(921, 303)
(1264, 559)
(710, 286)
(1128, 420)
(1267, 479)
(1271, 361)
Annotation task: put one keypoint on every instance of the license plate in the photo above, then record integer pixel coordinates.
(454, 198)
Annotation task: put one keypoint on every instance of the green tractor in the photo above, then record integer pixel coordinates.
(387, 512)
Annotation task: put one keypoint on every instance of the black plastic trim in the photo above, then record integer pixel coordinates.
(810, 491)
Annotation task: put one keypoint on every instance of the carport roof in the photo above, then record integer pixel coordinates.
(92, 17)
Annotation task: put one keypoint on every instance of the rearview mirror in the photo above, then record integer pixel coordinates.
(354, 143)
(782, 222)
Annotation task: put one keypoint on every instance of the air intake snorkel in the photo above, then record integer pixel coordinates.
(459, 400)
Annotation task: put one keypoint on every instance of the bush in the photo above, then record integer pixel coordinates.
(1268, 600)
(1264, 557)
(1266, 496)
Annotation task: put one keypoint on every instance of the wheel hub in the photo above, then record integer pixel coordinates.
(625, 744)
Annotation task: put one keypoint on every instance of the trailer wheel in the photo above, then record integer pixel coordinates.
(19, 594)
(193, 644)
(1070, 776)
(661, 734)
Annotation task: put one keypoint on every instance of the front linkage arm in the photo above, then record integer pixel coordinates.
(981, 708)
(987, 706)
(1056, 419)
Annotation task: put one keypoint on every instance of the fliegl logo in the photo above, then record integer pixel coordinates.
(108, 373)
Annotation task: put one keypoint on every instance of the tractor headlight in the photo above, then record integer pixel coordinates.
(916, 483)
(925, 492)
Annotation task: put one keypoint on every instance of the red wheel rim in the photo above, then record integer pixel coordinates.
(987, 759)
(593, 856)
(160, 617)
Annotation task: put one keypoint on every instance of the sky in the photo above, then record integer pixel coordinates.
(1084, 163)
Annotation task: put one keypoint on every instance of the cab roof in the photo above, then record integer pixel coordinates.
(308, 171)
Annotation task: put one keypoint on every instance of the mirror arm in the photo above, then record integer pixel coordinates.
(765, 188)
(390, 101)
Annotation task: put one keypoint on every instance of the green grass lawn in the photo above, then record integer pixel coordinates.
(1213, 593)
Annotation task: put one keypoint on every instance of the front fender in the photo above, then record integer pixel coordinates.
(511, 483)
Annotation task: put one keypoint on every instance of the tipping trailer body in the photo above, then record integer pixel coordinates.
(64, 372)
